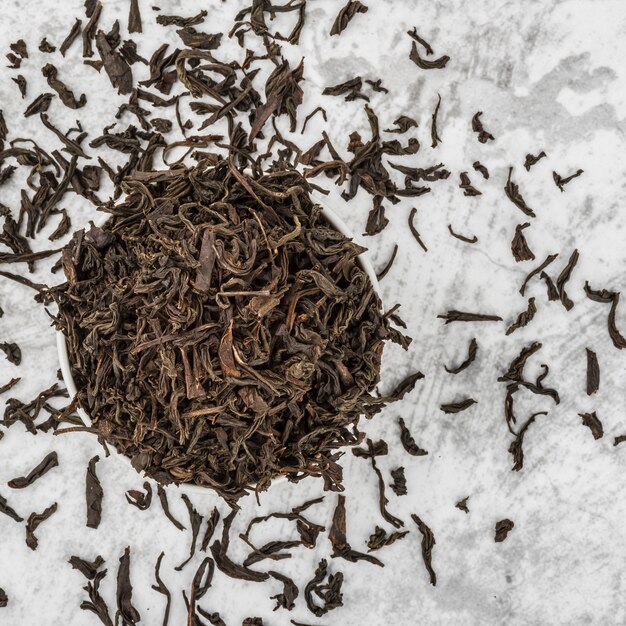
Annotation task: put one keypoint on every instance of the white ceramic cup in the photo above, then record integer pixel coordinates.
(66, 370)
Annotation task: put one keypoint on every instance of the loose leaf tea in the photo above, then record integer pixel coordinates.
(33, 522)
(337, 536)
(49, 461)
(64, 92)
(195, 521)
(472, 351)
(425, 64)
(604, 296)
(345, 15)
(477, 127)
(88, 569)
(514, 195)
(12, 352)
(593, 423)
(467, 187)
(560, 182)
(139, 499)
(161, 587)
(380, 275)
(549, 259)
(473, 239)
(212, 521)
(462, 505)
(593, 372)
(434, 135)
(134, 17)
(524, 317)
(479, 167)
(414, 231)
(619, 439)
(71, 37)
(531, 160)
(399, 481)
(403, 124)
(166, 507)
(408, 443)
(428, 543)
(94, 495)
(379, 538)
(562, 279)
(329, 593)
(519, 246)
(129, 614)
(4, 599)
(462, 316)
(260, 341)
(457, 407)
(516, 448)
(502, 529)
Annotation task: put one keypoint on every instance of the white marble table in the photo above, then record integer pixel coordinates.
(548, 75)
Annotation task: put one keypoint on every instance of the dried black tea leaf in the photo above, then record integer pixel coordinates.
(382, 498)
(479, 167)
(414, 231)
(461, 316)
(515, 373)
(200, 41)
(403, 123)
(285, 599)
(315, 111)
(473, 239)
(166, 507)
(524, 317)
(116, 67)
(9, 511)
(428, 543)
(413, 34)
(4, 599)
(4, 388)
(408, 443)
(619, 439)
(434, 135)
(531, 160)
(502, 529)
(345, 15)
(561, 182)
(519, 246)
(129, 614)
(50, 461)
(14, 61)
(457, 407)
(181, 22)
(376, 85)
(477, 127)
(604, 296)
(94, 495)
(562, 279)
(430, 174)
(65, 93)
(472, 351)
(549, 259)
(39, 105)
(12, 352)
(88, 569)
(376, 220)
(161, 587)
(425, 64)
(200, 584)
(462, 505)
(33, 522)
(212, 521)
(593, 372)
(380, 275)
(379, 538)
(399, 481)
(21, 83)
(405, 386)
(139, 499)
(71, 37)
(195, 520)
(349, 88)
(63, 228)
(252, 621)
(553, 294)
(46, 47)
(514, 195)
(134, 17)
(467, 187)
(593, 423)
(337, 537)
(516, 448)
(329, 593)
(378, 448)
(19, 47)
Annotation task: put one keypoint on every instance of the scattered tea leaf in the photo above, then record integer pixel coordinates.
(604, 296)
(380, 275)
(524, 317)
(425, 64)
(50, 461)
(473, 239)
(33, 522)
(457, 407)
(94, 494)
(593, 423)
(329, 593)
(129, 614)
(514, 195)
(379, 538)
(399, 481)
(434, 135)
(477, 127)
(462, 504)
(519, 246)
(12, 352)
(479, 167)
(516, 448)
(407, 440)
(413, 34)
(461, 316)
(549, 259)
(8, 510)
(503, 527)
(593, 372)
(467, 187)
(531, 160)
(561, 182)
(195, 520)
(345, 16)
(139, 499)
(428, 543)
(414, 230)
(471, 356)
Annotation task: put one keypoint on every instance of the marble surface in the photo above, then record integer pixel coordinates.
(548, 75)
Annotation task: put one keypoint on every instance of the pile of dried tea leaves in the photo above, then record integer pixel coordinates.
(220, 331)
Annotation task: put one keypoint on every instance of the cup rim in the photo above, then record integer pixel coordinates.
(66, 370)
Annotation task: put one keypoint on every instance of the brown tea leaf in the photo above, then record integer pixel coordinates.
(593, 423)
(503, 527)
(428, 543)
